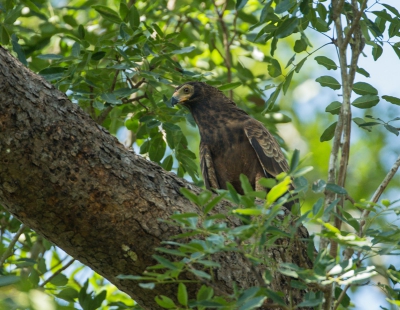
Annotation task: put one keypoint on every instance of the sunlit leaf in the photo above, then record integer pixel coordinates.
(362, 88)
(328, 81)
(326, 62)
(328, 133)
(366, 101)
(107, 13)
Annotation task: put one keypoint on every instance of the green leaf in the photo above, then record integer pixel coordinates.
(230, 86)
(326, 62)
(391, 99)
(288, 79)
(272, 98)
(110, 98)
(148, 285)
(240, 4)
(157, 148)
(134, 17)
(391, 9)
(317, 207)
(158, 30)
(98, 300)
(276, 298)
(377, 51)
(287, 27)
(200, 274)
(81, 32)
(246, 186)
(184, 50)
(300, 64)
(335, 188)
(278, 190)
(53, 73)
(4, 36)
(300, 46)
(248, 211)
(366, 101)
(328, 133)
(107, 13)
(274, 69)
(234, 195)
(50, 56)
(165, 302)
(59, 280)
(167, 163)
(213, 203)
(392, 129)
(8, 280)
(321, 25)
(205, 293)
(362, 72)
(311, 301)
(12, 14)
(18, 49)
(182, 294)
(284, 6)
(328, 81)
(68, 294)
(76, 49)
(362, 88)
(334, 107)
(165, 262)
(318, 186)
(346, 299)
(294, 162)
(98, 55)
(189, 195)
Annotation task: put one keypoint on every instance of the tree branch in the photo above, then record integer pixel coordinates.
(67, 178)
(225, 41)
(389, 176)
(57, 272)
(10, 247)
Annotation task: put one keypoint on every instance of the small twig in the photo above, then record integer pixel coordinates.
(135, 99)
(234, 28)
(137, 85)
(103, 115)
(10, 247)
(355, 23)
(349, 198)
(379, 192)
(341, 296)
(225, 41)
(114, 82)
(57, 272)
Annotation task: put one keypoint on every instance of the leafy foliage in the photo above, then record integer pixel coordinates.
(120, 62)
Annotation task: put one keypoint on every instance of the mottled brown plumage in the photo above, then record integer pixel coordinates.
(232, 142)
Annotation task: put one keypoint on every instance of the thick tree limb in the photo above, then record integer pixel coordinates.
(66, 177)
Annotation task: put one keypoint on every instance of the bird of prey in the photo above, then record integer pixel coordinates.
(232, 142)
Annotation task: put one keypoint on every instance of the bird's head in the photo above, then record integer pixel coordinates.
(185, 93)
(194, 95)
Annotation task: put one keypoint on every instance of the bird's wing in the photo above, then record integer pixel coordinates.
(207, 167)
(267, 149)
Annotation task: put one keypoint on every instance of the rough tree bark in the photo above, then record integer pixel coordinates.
(72, 182)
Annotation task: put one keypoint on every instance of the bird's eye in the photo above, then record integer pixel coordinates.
(186, 90)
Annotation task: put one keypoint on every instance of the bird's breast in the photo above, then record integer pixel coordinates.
(232, 155)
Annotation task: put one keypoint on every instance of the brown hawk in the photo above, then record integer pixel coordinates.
(232, 142)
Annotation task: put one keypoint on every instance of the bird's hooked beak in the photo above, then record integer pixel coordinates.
(174, 100)
(179, 98)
